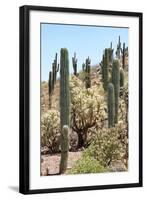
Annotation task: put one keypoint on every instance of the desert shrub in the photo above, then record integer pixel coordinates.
(87, 109)
(87, 165)
(50, 130)
(110, 145)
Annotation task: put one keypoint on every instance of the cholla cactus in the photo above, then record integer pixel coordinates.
(50, 130)
(87, 109)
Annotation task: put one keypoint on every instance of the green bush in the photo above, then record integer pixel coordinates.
(87, 165)
(110, 145)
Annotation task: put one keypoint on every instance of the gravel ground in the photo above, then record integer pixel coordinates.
(50, 163)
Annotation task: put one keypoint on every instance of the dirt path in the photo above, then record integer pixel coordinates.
(50, 163)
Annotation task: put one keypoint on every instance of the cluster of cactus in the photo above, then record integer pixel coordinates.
(64, 107)
(74, 62)
(52, 79)
(86, 67)
(124, 52)
(121, 52)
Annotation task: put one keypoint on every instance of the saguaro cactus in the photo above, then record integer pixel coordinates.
(83, 67)
(64, 149)
(74, 62)
(64, 88)
(118, 52)
(124, 53)
(111, 50)
(105, 70)
(50, 88)
(116, 83)
(55, 69)
(111, 105)
(122, 77)
(87, 72)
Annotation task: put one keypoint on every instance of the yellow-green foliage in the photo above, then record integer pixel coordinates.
(87, 165)
(50, 129)
(110, 145)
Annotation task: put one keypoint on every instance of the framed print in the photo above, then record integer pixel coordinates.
(80, 99)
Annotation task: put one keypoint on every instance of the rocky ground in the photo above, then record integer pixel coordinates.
(50, 163)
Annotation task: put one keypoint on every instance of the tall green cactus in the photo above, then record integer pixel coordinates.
(55, 69)
(87, 72)
(116, 83)
(50, 89)
(105, 69)
(83, 67)
(64, 149)
(124, 53)
(111, 105)
(74, 62)
(122, 77)
(118, 52)
(64, 87)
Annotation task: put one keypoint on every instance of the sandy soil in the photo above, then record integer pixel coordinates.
(50, 163)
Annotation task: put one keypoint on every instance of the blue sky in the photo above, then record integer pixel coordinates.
(84, 40)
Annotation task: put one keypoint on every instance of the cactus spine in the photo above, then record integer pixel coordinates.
(64, 88)
(111, 105)
(50, 89)
(64, 149)
(116, 83)
(74, 62)
(105, 70)
(122, 77)
(87, 72)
